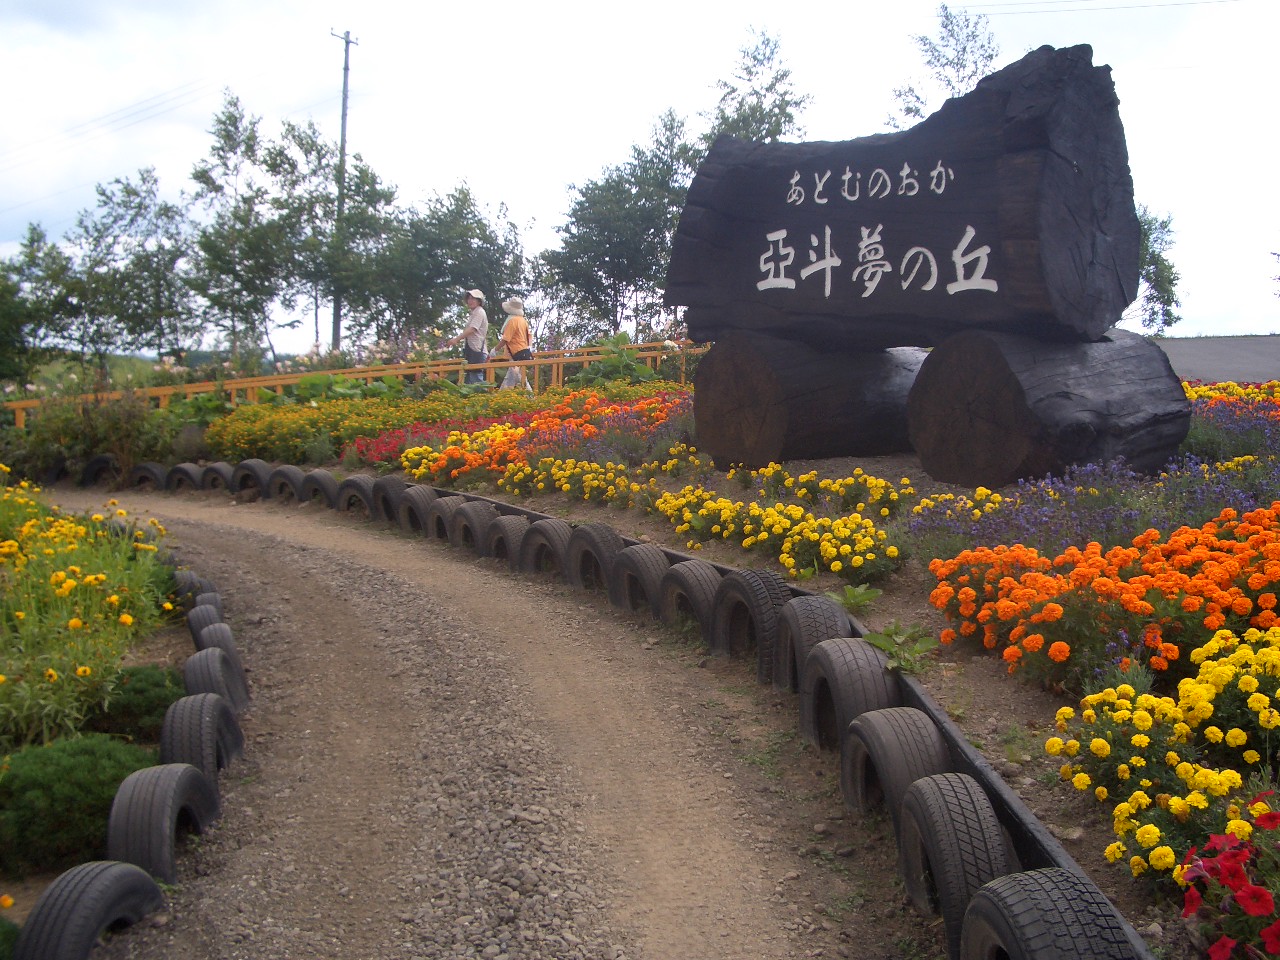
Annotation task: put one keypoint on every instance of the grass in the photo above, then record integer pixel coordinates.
(767, 757)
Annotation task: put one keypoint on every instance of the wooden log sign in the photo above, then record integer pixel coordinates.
(1010, 209)
(989, 408)
(759, 400)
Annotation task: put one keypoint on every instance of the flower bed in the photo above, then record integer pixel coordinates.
(1151, 598)
(78, 593)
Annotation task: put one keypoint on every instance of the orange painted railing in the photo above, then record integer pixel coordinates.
(546, 369)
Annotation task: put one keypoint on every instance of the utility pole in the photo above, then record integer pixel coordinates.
(339, 233)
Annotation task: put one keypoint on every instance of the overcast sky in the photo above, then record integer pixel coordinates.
(520, 100)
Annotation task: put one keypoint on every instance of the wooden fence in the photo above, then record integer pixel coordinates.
(546, 369)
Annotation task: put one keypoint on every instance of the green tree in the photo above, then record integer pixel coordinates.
(35, 303)
(759, 102)
(616, 243)
(960, 56)
(241, 251)
(302, 165)
(430, 257)
(317, 261)
(53, 288)
(1158, 279)
(16, 325)
(133, 257)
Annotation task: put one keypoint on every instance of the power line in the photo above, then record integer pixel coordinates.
(116, 120)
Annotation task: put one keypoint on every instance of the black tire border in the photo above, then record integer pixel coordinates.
(81, 904)
(151, 807)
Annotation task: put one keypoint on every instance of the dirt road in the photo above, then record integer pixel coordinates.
(449, 759)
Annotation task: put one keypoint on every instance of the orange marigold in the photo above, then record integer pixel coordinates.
(1059, 651)
(1033, 642)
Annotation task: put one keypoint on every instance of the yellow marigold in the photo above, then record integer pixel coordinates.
(51, 675)
(1099, 748)
(83, 671)
(1116, 851)
(75, 623)
(1162, 858)
(1148, 835)
(126, 619)
(1081, 781)
(1137, 866)
(1240, 828)
(1100, 793)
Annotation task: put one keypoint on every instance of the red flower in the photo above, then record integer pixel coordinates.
(1191, 901)
(1234, 878)
(1255, 901)
(1222, 949)
(1267, 821)
(1271, 937)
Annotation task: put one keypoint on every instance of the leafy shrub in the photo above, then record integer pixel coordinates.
(614, 364)
(55, 800)
(8, 937)
(138, 703)
(65, 433)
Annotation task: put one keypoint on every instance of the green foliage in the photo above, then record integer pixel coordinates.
(319, 450)
(131, 258)
(960, 56)
(138, 703)
(55, 800)
(906, 647)
(8, 938)
(200, 409)
(616, 243)
(329, 386)
(426, 257)
(64, 433)
(615, 364)
(760, 103)
(1157, 277)
(854, 598)
(16, 321)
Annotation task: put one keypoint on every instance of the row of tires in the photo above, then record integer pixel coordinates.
(154, 807)
(955, 856)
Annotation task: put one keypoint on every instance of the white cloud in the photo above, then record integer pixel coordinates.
(522, 99)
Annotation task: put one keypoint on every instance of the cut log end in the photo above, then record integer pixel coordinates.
(988, 409)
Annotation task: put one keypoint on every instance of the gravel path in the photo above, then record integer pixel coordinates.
(446, 759)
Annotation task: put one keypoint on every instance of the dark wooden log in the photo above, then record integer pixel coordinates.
(759, 399)
(988, 409)
(1011, 208)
